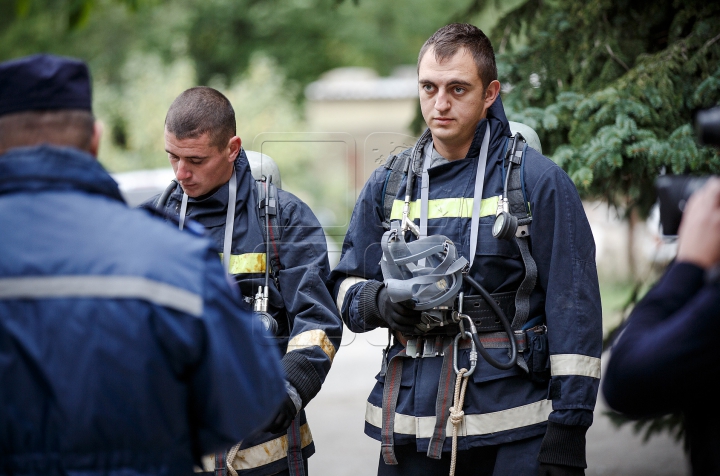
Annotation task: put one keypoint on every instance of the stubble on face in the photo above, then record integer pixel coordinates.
(452, 100)
(199, 166)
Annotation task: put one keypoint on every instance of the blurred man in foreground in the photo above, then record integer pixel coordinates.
(666, 358)
(116, 358)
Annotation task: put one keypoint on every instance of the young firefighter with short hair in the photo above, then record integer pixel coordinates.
(529, 417)
(212, 171)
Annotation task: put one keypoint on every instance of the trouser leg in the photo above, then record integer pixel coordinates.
(477, 461)
(519, 458)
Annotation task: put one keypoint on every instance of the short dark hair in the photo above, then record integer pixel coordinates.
(67, 127)
(449, 39)
(202, 110)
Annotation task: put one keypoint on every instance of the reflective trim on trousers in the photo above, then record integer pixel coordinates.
(574, 364)
(472, 424)
(246, 263)
(314, 337)
(344, 287)
(102, 287)
(460, 207)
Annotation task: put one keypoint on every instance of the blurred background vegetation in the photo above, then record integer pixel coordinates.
(611, 86)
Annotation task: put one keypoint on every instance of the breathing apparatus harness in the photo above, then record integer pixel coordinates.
(267, 214)
(428, 274)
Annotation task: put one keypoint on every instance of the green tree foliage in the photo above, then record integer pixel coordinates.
(612, 87)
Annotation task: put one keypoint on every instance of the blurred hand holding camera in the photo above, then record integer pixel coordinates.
(699, 234)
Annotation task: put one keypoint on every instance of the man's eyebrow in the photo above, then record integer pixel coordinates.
(452, 81)
(200, 157)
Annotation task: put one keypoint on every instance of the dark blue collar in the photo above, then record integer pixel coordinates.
(47, 168)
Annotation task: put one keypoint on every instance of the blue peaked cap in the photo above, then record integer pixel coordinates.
(44, 82)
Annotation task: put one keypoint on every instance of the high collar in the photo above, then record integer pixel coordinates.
(51, 168)
(214, 207)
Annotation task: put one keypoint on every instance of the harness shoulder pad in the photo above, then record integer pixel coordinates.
(517, 198)
(271, 206)
(396, 165)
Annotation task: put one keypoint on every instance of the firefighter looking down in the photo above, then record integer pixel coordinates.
(274, 248)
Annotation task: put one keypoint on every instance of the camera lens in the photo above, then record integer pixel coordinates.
(707, 125)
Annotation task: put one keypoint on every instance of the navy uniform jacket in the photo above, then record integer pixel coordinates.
(309, 326)
(500, 405)
(665, 357)
(116, 357)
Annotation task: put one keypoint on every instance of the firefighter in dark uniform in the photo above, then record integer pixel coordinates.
(212, 170)
(116, 357)
(530, 418)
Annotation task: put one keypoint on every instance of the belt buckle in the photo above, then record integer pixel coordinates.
(411, 348)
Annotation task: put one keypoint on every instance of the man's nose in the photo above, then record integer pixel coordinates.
(182, 172)
(442, 101)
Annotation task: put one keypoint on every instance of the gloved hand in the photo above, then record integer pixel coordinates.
(284, 417)
(560, 470)
(399, 317)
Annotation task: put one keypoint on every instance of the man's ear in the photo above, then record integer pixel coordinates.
(234, 147)
(491, 93)
(95, 140)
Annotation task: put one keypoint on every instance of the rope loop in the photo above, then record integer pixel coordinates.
(457, 414)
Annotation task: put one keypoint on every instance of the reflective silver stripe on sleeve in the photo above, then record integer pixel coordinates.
(472, 424)
(344, 286)
(109, 287)
(574, 364)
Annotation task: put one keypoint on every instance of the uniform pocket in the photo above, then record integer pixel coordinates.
(537, 355)
(484, 372)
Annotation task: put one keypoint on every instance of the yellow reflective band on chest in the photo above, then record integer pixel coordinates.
(246, 263)
(315, 337)
(446, 208)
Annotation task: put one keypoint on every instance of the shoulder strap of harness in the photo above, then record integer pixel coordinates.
(396, 166)
(519, 207)
(270, 205)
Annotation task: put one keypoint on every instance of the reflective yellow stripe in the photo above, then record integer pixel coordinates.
(262, 454)
(315, 337)
(344, 287)
(575, 364)
(446, 208)
(246, 263)
(472, 424)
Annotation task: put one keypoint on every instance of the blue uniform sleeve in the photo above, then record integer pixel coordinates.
(666, 350)
(564, 250)
(359, 264)
(316, 325)
(237, 382)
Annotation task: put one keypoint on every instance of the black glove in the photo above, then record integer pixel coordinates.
(399, 317)
(560, 470)
(284, 417)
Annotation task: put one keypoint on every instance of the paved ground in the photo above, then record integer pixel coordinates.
(337, 419)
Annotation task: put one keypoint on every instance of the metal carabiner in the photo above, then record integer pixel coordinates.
(473, 353)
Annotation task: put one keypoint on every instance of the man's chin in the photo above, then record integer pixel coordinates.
(191, 191)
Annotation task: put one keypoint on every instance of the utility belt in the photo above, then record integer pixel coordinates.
(477, 308)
